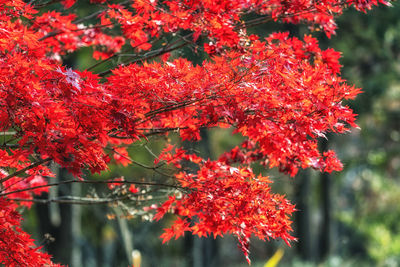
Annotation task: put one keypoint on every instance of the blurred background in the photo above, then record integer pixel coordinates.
(350, 218)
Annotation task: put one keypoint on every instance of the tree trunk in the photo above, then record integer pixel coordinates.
(302, 216)
(325, 236)
(55, 222)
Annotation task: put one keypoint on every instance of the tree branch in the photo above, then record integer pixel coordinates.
(160, 52)
(34, 165)
(91, 182)
(72, 200)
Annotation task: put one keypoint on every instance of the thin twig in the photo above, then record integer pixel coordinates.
(154, 168)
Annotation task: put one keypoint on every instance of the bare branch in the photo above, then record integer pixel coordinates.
(91, 182)
(72, 200)
(8, 133)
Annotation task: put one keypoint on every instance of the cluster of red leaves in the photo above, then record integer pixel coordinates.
(281, 94)
(15, 187)
(16, 246)
(220, 21)
(61, 35)
(37, 103)
(224, 199)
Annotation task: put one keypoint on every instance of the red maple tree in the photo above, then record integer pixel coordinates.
(280, 93)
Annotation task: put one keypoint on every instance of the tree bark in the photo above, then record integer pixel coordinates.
(302, 216)
(55, 221)
(325, 236)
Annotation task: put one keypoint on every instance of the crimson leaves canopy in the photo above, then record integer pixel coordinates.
(280, 93)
